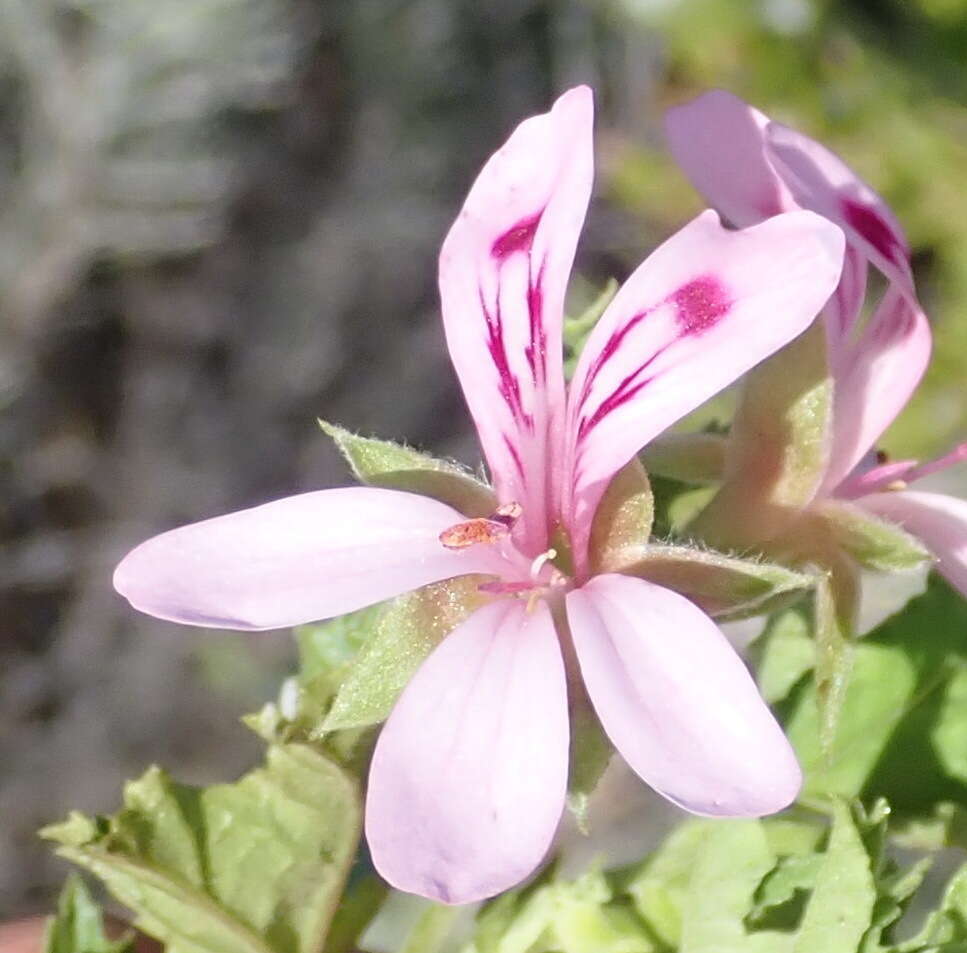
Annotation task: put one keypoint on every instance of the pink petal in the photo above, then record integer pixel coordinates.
(846, 304)
(875, 378)
(821, 181)
(719, 141)
(677, 702)
(707, 306)
(298, 559)
(503, 274)
(469, 774)
(939, 521)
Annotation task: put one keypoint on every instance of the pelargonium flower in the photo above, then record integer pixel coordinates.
(764, 168)
(468, 778)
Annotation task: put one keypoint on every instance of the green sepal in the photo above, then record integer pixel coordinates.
(726, 587)
(623, 520)
(687, 457)
(252, 867)
(873, 542)
(590, 754)
(407, 630)
(78, 926)
(778, 448)
(590, 748)
(835, 610)
(393, 466)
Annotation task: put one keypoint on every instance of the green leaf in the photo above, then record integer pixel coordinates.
(562, 917)
(623, 519)
(659, 884)
(432, 929)
(873, 542)
(687, 457)
(405, 633)
(252, 867)
(78, 926)
(946, 925)
(905, 704)
(358, 907)
(734, 859)
(840, 909)
(726, 587)
(778, 447)
(786, 653)
(393, 466)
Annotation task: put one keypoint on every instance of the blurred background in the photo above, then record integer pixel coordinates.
(219, 219)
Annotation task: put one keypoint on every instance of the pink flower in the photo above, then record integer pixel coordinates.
(468, 778)
(763, 168)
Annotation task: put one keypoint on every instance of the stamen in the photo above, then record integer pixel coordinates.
(490, 529)
(897, 485)
(473, 532)
(538, 564)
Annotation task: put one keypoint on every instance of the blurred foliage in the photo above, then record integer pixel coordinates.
(884, 84)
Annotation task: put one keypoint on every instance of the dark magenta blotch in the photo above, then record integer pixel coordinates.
(872, 227)
(700, 304)
(518, 238)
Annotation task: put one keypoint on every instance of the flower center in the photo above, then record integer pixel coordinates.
(542, 575)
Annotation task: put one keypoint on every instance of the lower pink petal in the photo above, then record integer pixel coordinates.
(298, 559)
(468, 778)
(677, 702)
(939, 520)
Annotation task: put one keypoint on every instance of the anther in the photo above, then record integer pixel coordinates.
(490, 529)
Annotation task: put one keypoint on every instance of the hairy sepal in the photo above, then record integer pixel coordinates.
(726, 587)
(408, 629)
(394, 466)
(873, 542)
(779, 446)
(623, 519)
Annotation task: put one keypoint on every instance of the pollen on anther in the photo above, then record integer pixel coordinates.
(472, 532)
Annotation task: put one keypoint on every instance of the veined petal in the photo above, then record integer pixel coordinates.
(939, 521)
(677, 702)
(707, 306)
(820, 180)
(503, 274)
(719, 141)
(468, 779)
(297, 559)
(875, 378)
